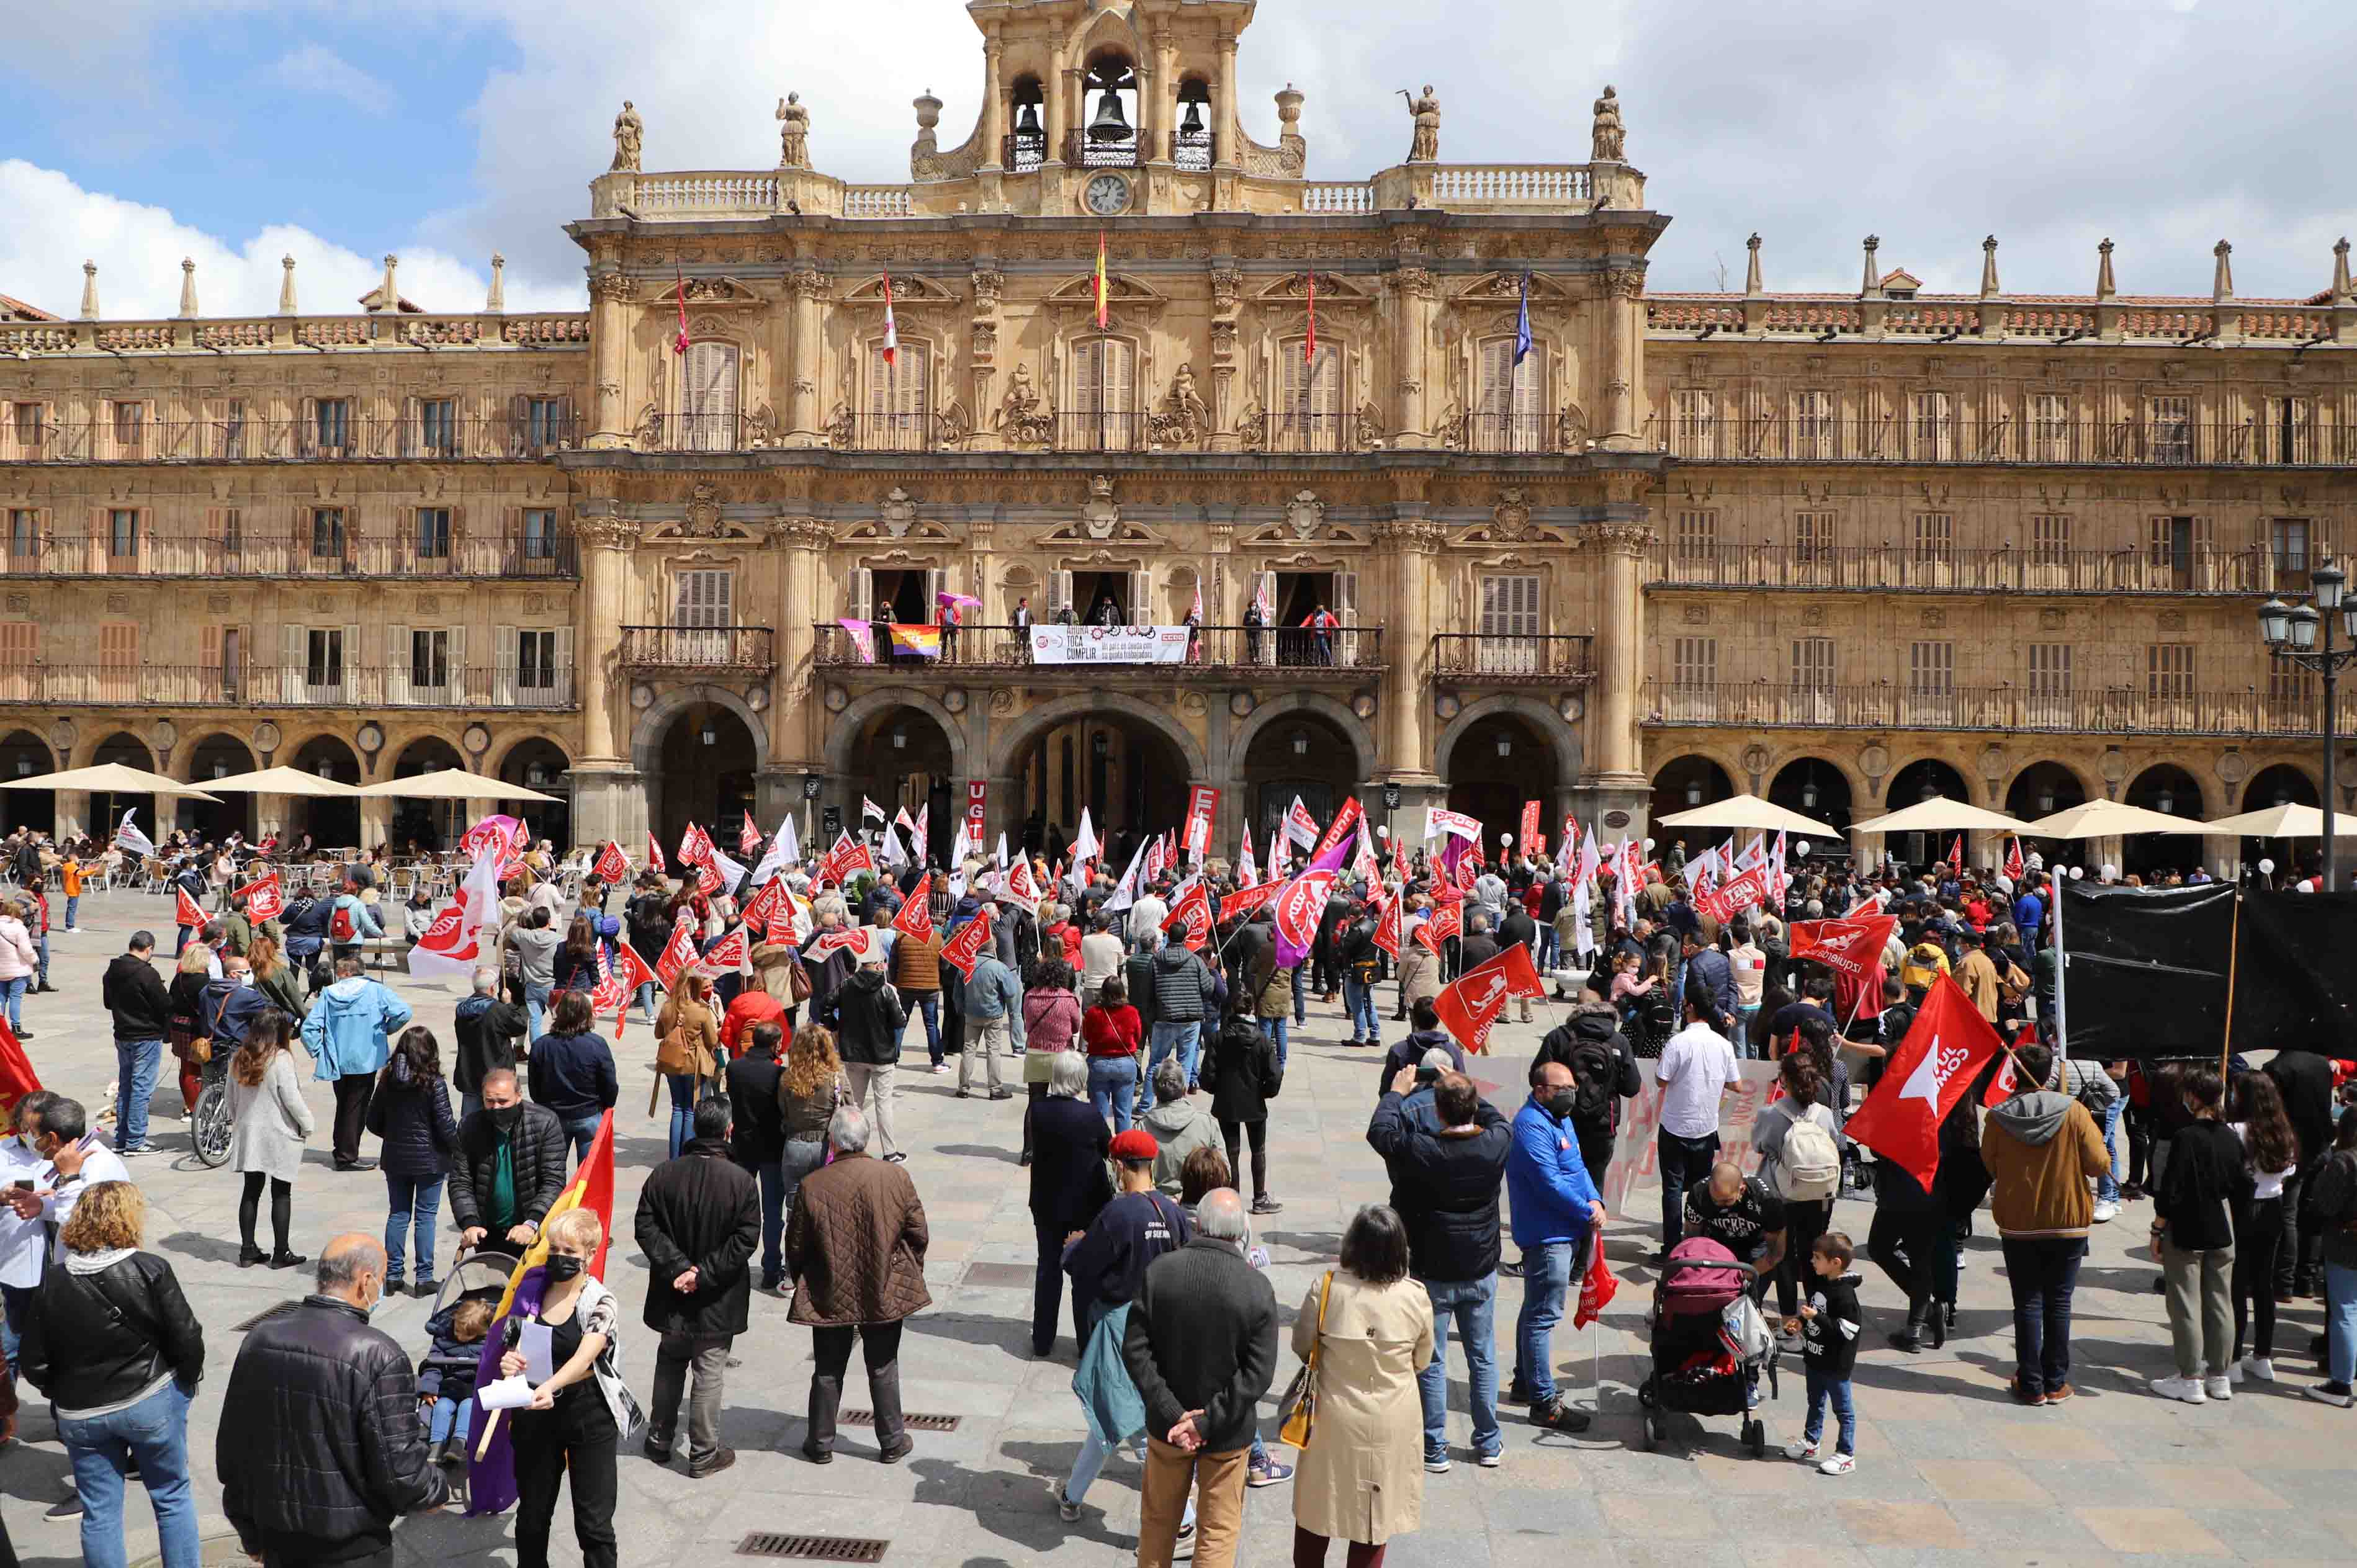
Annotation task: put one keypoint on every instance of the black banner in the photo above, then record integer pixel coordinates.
(2145, 971)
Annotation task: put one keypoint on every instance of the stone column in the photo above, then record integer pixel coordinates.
(1224, 135)
(1624, 291)
(1615, 779)
(1405, 756)
(1416, 297)
(1166, 78)
(1052, 92)
(994, 120)
(610, 344)
(793, 742)
(607, 542)
(805, 357)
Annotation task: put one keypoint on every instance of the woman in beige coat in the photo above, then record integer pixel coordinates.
(1361, 1477)
(1419, 973)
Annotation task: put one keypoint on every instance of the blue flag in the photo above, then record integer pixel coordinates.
(1522, 326)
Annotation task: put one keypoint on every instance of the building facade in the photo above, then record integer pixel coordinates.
(1609, 550)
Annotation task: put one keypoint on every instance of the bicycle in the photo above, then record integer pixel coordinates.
(211, 1124)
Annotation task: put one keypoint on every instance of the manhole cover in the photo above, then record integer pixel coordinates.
(813, 1548)
(265, 1315)
(1001, 1274)
(911, 1418)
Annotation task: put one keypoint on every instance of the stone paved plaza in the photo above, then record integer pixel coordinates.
(1950, 1471)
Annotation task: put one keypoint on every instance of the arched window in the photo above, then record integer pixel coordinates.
(708, 398)
(1511, 414)
(1104, 402)
(899, 398)
(1309, 414)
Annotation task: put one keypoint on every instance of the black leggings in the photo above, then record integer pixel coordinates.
(281, 1207)
(1804, 1221)
(1258, 1130)
(2256, 1240)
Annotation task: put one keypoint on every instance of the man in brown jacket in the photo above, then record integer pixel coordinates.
(855, 1250)
(917, 976)
(2042, 1148)
(1976, 972)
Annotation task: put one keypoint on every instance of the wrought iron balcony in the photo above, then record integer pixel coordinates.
(1900, 437)
(1703, 563)
(731, 648)
(1500, 659)
(320, 551)
(352, 439)
(1222, 650)
(289, 686)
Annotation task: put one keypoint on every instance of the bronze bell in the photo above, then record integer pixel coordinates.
(1109, 125)
(1193, 124)
(1027, 122)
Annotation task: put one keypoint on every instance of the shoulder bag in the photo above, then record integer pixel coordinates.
(1300, 1402)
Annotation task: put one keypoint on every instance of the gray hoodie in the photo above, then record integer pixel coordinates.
(1180, 1127)
(2034, 1118)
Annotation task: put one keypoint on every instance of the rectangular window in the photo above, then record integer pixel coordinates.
(438, 426)
(2169, 670)
(118, 644)
(1104, 384)
(1695, 661)
(2049, 427)
(129, 426)
(2288, 537)
(324, 656)
(711, 387)
(231, 430)
(333, 417)
(1694, 424)
(705, 598)
(20, 644)
(1931, 669)
(2289, 681)
(1813, 426)
(2050, 539)
(434, 533)
(23, 532)
(1935, 538)
(328, 533)
(1697, 538)
(1812, 663)
(538, 536)
(122, 534)
(2171, 422)
(1509, 626)
(28, 427)
(544, 423)
(2284, 437)
(2049, 668)
(1932, 427)
(429, 658)
(536, 659)
(900, 399)
(1309, 418)
(1813, 535)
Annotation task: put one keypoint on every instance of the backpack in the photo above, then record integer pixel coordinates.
(342, 928)
(1924, 966)
(1657, 1013)
(1595, 1066)
(1809, 1168)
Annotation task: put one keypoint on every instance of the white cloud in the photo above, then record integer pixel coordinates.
(316, 68)
(54, 224)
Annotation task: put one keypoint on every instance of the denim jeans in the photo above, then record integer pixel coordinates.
(412, 1202)
(154, 1434)
(2108, 1186)
(1822, 1388)
(1113, 1087)
(535, 1006)
(1094, 1452)
(1684, 1162)
(73, 906)
(1184, 1040)
(1358, 1005)
(450, 1418)
(13, 992)
(2340, 1323)
(802, 1156)
(1276, 1028)
(468, 1104)
(1300, 1000)
(583, 1132)
(1473, 1304)
(135, 1063)
(17, 1301)
(41, 970)
(1546, 1280)
(928, 1002)
(1548, 953)
(647, 1001)
(2042, 1270)
(683, 1086)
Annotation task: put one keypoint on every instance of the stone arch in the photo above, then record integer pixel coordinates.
(26, 755)
(2291, 781)
(844, 728)
(2087, 791)
(1559, 737)
(117, 746)
(647, 733)
(1029, 727)
(292, 743)
(1354, 729)
(529, 737)
(1838, 792)
(1929, 765)
(2174, 778)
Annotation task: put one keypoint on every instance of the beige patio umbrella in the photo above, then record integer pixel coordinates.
(282, 782)
(2106, 818)
(453, 784)
(113, 778)
(1746, 811)
(2283, 821)
(1940, 814)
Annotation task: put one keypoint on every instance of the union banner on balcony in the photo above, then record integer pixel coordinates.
(1109, 644)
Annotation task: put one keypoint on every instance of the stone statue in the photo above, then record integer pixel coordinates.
(793, 139)
(1021, 402)
(629, 134)
(1184, 398)
(1424, 148)
(1607, 144)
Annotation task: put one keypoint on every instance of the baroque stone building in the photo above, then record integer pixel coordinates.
(1828, 548)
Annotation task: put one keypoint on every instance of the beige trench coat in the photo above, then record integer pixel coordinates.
(1361, 1477)
(1419, 975)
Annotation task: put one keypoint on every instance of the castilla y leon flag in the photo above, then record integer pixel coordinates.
(1929, 1071)
(677, 954)
(679, 341)
(1851, 945)
(916, 916)
(965, 948)
(1472, 1002)
(655, 855)
(891, 328)
(185, 911)
(263, 898)
(612, 866)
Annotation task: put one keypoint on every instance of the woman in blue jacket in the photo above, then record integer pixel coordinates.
(350, 1035)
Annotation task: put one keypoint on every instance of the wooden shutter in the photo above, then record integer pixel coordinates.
(461, 689)
(859, 593)
(517, 434)
(1060, 593)
(412, 440)
(293, 641)
(507, 665)
(400, 679)
(1141, 598)
(936, 585)
(20, 652)
(350, 686)
(1346, 610)
(711, 373)
(1495, 406)
(211, 687)
(560, 689)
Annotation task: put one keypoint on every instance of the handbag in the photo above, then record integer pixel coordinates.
(1300, 1402)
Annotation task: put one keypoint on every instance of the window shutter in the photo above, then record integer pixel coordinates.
(1529, 398)
(461, 689)
(936, 583)
(517, 432)
(1141, 589)
(1059, 593)
(209, 664)
(510, 660)
(859, 593)
(560, 684)
(401, 672)
(1088, 376)
(1346, 610)
(1497, 372)
(288, 686)
(879, 395)
(916, 387)
(413, 438)
(349, 685)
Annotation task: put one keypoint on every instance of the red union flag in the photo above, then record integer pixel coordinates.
(749, 837)
(1854, 945)
(1471, 1003)
(617, 983)
(707, 879)
(916, 916)
(186, 910)
(612, 866)
(1446, 922)
(1730, 898)
(763, 906)
(1599, 1285)
(655, 855)
(854, 938)
(727, 955)
(1244, 900)
(263, 899)
(2013, 866)
(1527, 834)
(847, 856)
(677, 954)
(1193, 912)
(1929, 1071)
(1388, 927)
(1346, 821)
(1300, 905)
(1203, 805)
(964, 948)
(694, 846)
(1021, 886)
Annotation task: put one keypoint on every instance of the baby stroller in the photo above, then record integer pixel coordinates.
(481, 1277)
(1709, 1343)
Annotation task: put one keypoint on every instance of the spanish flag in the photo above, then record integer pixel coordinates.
(1102, 319)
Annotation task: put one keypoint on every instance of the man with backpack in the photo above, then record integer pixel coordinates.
(1603, 1073)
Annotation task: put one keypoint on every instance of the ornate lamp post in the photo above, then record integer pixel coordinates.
(2289, 632)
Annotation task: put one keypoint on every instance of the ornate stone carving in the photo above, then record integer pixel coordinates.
(610, 285)
(988, 282)
(1606, 143)
(629, 137)
(839, 426)
(1305, 514)
(610, 533)
(1510, 518)
(1421, 534)
(1570, 429)
(1370, 426)
(1424, 143)
(1610, 537)
(648, 432)
(1415, 282)
(1183, 417)
(808, 282)
(1227, 283)
(1101, 514)
(1002, 703)
(701, 520)
(793, 132)
(899, 512)
(1624, 283)
(1021, 417)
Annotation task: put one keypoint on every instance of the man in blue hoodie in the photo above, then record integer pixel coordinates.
(350, 1033)
(1554, 1207)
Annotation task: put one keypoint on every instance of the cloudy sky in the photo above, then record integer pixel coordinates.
(237, 131)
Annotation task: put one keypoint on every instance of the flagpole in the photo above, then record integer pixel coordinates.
(2233, 946)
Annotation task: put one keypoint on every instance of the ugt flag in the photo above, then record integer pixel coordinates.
(1475, 1000)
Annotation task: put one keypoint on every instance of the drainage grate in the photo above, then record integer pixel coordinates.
(813, 1548)
(911, 1418)
(265, 1315)
(1000, 1275)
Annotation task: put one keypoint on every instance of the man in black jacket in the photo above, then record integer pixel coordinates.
(1127, 1235)
(320, 1448)
(490, 1031)
(1445, 1184)
(511, 1167)
(1202, 1347)
(756, 1140)
(133, 994)
(1427, 1035)
(1518, 929)
(699, 1215)
(2305, 1080)
(1603, 1072)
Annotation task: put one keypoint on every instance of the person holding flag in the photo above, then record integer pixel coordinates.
(2040, 1148)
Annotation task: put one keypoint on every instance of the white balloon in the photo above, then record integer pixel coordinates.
(2266, 868)
(2076, 873)
(1801, 848)
(1383, 832)
(1505, 840)
(1649, 847)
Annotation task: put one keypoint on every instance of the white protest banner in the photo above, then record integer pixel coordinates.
(1636, 1157)
(1109, 644)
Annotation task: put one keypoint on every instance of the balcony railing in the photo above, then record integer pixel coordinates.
(1901, 438)
(1506, 433)
(288, 686)
(2119, 710)
(1497, 657)
(408, 439)
(1216, 647)
(1869, 568)
(320, 552)
(747, 647)
(1068, 431)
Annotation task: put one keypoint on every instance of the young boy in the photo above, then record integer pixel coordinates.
(445, 1378)
(1829, 1323)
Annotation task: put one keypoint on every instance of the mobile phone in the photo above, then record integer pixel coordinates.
(22, 1186)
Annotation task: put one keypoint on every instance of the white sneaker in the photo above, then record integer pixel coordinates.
(1838, 1465)
(2219, 1388)
(1801, 1451)
(2258, 1369)
(2107, 1212)
(2187, 1388)
(2235, 1375)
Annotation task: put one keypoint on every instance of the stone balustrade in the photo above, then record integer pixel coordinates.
(265, 334)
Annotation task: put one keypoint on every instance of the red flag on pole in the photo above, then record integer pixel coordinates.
(1446, 921)
(2013, 864)
(1472, 1002)
(1851, 946)
(677, 954)
(726, 955)
(916, 916)
(612, 866)
(17, 1079)
(1948, 1044)
(1599, 1285)
(678, 344)
(1193, 912)
(263, 898)
(1309, 343)
(965, 948)
(655, 854)
(186, 910)
(1956, 853)
(764, 905)
(1387, 926)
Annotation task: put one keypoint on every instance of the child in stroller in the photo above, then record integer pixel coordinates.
(446, 1377)
(1709, 1342)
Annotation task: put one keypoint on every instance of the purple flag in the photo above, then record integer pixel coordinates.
(490, 1480)
(1302, 905)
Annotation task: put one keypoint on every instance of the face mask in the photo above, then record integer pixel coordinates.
(1563, 1101)
(505, 1117)
(563, 1266)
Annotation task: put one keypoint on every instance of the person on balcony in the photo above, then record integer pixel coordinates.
(1321, 624)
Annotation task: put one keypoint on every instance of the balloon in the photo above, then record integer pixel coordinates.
(1505, 840)
(1383, 832)
(2266, 868)
(2076, 873)
(1649, 847)
(1801, 848)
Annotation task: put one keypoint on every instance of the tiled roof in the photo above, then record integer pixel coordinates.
(13, 309)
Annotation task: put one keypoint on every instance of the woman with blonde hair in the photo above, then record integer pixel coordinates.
(269, 1127)
(581, 1413)
(110, 1339)
(184, 997)
(810, 1084)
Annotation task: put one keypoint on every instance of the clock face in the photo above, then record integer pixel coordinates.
(1107, 194)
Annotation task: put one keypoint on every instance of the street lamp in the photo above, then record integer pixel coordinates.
(2290, 633)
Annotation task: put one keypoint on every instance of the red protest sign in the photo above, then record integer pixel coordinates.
(1473, 1001)
(965, 948)
(186, 910)
(1733, 896)
(1853, 945)
(612, 866)
(916, 916)
(677, 954)
(263, 898)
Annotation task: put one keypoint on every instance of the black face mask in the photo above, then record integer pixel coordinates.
(563, 1266)
(1564, 1101)
(505, 1117)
